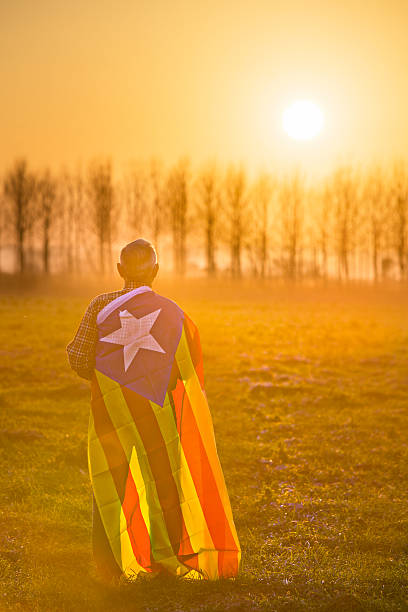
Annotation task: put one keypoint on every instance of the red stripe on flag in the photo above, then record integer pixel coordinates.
(201, 472)
(228, 563)
(137, 530)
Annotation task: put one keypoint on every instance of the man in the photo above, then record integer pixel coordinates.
(160, 503)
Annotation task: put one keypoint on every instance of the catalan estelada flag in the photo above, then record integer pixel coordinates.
(153, 462)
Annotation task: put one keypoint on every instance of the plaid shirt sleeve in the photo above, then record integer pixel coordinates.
(81, 351)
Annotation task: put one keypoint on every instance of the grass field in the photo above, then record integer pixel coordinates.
(308, 391)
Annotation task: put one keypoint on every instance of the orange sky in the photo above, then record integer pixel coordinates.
(204, 78)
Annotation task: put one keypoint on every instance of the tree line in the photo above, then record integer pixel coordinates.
(216, 219)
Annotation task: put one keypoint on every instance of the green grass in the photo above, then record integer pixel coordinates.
(308, 392)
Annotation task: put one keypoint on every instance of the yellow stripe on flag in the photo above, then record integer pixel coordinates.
(105, 492)
(140, 487)
(145, 484)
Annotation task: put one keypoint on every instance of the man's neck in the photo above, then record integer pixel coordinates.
(134, 284)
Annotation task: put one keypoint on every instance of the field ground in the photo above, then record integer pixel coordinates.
(308, 391)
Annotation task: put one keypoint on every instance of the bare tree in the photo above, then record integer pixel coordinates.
(344, 193)
(208, 203)
(258, 247)
(101, 195)
(177, 203)
(400, 214)
(311, 248)
(19, 189)
(74, 218)
(47, 199)
(157, 204)
(325, 224)
(3, 225)
(320, 204)
(291, 210)
(375, 213)
(135, 189)
(236, 205)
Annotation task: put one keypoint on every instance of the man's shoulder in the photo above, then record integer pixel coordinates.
(176, 308)
(101, 300)
(167, 301)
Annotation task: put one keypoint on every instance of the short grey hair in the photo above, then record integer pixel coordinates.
(138, 258)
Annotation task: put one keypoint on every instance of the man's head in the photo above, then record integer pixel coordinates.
(138, 262)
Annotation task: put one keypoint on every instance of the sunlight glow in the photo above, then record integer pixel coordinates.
(302, 120)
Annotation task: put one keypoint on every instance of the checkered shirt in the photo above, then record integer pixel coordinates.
(81, 351)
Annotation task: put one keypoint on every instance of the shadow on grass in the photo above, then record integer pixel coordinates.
(240, 594)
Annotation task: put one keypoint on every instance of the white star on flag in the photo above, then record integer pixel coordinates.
(134, 334)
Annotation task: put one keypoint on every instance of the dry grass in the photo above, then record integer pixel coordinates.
(308, 390)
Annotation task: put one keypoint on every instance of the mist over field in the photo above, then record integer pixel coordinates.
(207, 220)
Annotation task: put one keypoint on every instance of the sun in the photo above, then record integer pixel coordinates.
(302, 120)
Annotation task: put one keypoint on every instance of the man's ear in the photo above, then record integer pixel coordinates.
(155, 271)
(120, 270)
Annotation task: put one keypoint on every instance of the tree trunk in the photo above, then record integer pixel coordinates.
(46, 247)
(101, 256)
(210, 249)
(21, 253)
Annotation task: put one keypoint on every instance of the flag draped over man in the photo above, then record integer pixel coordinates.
(157, 481)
